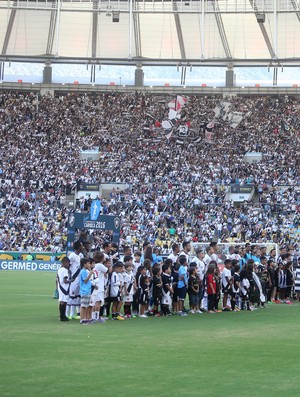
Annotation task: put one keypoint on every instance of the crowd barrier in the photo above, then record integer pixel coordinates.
(37, 256)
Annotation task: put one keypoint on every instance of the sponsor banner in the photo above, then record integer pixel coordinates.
(241, 189)
(92, 187)
(78, 220)
(29, 265)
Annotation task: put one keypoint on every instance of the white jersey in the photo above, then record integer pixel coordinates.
(75, 271)
(135, 266)
(245, 285)
(61, 274)
(207, 259)
(173, 257)
(63, 288)
(115, 284)
(234, 256)
(200, 268)
(107, 256)
(128, 279)
(214, 257)
(95, 282)
(297, 279)
(75, 263)
(95, 290)
(226, 273)
(102, 270)
(182, 253)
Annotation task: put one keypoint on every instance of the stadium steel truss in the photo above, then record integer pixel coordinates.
(151, 32)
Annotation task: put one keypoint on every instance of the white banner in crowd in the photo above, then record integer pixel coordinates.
(236, 118)
(223, 110)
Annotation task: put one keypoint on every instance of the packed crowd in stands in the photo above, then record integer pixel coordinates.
(176, 188)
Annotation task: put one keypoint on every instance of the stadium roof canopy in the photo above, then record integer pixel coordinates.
(151, 32)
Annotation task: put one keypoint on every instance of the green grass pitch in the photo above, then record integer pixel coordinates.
(242, 354)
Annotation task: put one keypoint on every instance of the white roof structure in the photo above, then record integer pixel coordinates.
(151, 32)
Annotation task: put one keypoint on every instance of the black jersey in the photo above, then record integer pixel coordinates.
(157, 285)
(166, 281)
(193, 283)
(175, 278)
(236, 283)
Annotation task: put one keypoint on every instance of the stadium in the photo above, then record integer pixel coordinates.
(193, 186)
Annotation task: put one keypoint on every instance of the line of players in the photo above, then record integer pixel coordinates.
(88, 289)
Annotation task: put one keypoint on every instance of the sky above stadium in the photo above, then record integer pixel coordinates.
(124, 75)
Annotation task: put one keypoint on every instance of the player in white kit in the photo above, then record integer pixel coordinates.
(63, 286)
(74, 293)
(102, 271)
